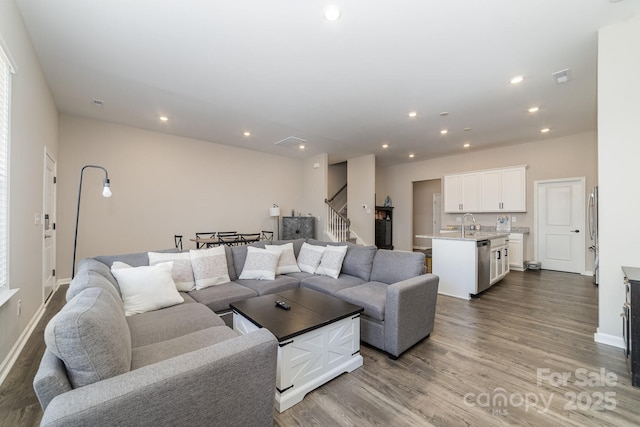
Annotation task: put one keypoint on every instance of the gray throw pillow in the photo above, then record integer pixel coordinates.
(91, 336)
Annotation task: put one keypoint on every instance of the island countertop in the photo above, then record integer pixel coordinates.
(472, 236)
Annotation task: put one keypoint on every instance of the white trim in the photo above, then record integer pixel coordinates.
(10, 360)
(6, 294)
(612, 340)
(4, 51)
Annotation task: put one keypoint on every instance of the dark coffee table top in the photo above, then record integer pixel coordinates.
(309, 310)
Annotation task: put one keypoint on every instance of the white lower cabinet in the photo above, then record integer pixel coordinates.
(517, 251)
(499, 260)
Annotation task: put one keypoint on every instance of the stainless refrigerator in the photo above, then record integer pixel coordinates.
(592, 219)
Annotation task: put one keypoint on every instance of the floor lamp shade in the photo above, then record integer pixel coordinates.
(275, 211)
(106, 192)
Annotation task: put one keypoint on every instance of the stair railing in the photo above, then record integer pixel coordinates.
(337, 224)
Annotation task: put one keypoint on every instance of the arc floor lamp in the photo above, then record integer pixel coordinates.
(106, 192)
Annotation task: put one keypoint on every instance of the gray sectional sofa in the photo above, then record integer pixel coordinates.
(183, 365)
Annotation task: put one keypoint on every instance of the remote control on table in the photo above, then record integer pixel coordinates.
(283, 305)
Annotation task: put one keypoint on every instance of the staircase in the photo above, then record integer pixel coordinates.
(338, 225)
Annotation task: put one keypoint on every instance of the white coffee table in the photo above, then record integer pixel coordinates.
(319, 338)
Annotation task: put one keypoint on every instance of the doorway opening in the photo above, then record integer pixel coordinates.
(427, 211)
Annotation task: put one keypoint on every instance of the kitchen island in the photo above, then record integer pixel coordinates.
(468, 265)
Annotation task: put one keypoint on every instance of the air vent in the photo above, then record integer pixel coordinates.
(290, 141)
(562, 76)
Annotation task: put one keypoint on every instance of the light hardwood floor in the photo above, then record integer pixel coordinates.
(512, 343)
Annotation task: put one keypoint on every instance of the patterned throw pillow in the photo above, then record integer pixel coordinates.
(309, 257)
(260, 264)
(182, 272)
(209, 267)
(287, 262)
(331, 262)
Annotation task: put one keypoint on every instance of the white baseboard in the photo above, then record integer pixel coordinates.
(612, 340)
(11, 358)
(588, 273)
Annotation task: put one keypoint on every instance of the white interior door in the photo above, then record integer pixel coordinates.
(48, 222)
(560, 230)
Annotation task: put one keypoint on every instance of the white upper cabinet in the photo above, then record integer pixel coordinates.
(504, 190)
(462, 192)
(497, 190)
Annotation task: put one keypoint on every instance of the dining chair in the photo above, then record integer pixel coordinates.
(229, 238)
(177, 239)
(246, 238)
(266, 235)
(205, 235)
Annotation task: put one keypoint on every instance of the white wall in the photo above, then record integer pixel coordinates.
(162, 185)
(314, 191)
(34, 121)
(361, 176)
(549, 158)
(618, 168)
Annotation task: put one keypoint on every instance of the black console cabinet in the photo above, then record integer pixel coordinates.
(384, 227)
(631, 321)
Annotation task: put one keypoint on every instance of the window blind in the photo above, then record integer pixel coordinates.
(5, 95)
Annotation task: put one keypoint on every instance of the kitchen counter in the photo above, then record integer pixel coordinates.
(490, 228)
(472, 236)
(465, 266)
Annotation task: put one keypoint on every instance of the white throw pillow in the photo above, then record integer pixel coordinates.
(309, 257)
(182, 272)
(260, 264)
(287, 262)
(146, 288)
(331, 262)
(209, 267)
(119, 264)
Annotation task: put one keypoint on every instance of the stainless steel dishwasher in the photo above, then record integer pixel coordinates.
(483, 247)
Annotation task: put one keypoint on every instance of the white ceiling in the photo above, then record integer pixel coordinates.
(277, 69)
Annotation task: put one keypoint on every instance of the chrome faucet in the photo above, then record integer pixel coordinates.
(473, 218)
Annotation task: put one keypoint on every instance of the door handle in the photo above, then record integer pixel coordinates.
(575, 231)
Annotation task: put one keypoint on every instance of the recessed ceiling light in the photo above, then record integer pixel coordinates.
(413, 114)
(385, 145)
(467, 129)
(98, 103)
(517, 79)
(332, 13)
(534, 109)
(545, 130)
(302, 146)
(164, 118)
(411, 156)
(247, 133)
(467, 145)
(444, 131)
(444, 113)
